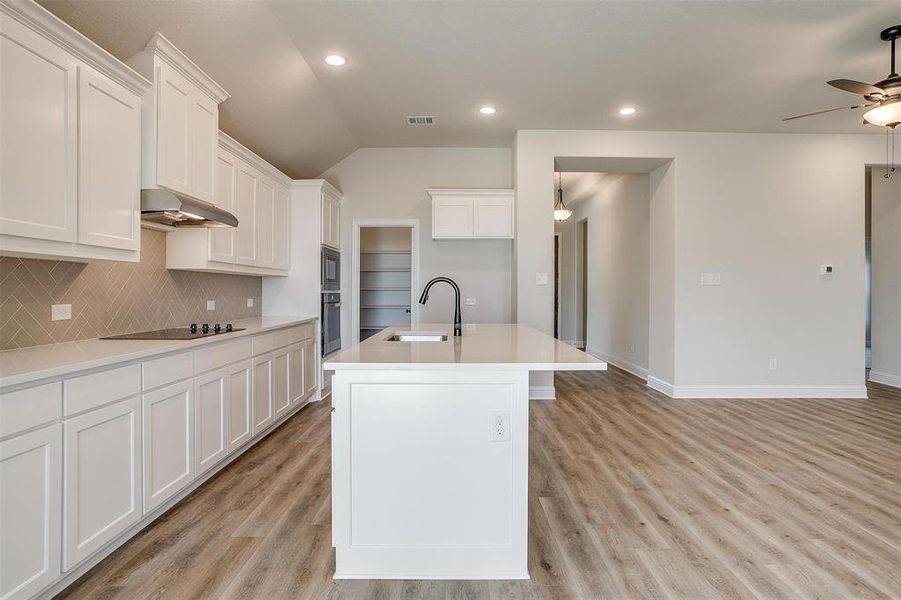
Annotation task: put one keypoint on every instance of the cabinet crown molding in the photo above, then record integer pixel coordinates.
(233, 146)
(57, 31)
(164, 49)
(471, 192)
(321, 184)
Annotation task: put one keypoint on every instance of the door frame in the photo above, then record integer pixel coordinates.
(358, 224)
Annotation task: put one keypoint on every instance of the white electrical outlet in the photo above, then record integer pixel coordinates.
(211, 305)
(470, 327)
(61, 312)
(773, 364)
(540, 278)
(470, 302)
(710, 279)
(499, 427)
(250, 303)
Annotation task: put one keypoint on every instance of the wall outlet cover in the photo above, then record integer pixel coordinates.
(470, 302)
(211, 305)
(470, 327)
(540, 278)
(499, 427)
(61, 312)
(250, 303)
(773, 364)
(710, 279)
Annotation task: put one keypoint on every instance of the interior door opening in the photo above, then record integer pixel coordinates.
(386, 267)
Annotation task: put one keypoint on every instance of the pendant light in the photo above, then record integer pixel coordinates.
(561, 213)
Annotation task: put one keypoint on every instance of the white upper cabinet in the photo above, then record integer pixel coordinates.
(109, 166)
(69, 144)
(257, 194)
(180, 121)
(472, 213)
(331, 219)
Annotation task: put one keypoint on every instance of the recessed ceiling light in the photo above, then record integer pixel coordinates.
(628, 110)
(335, 60)
(487, 110)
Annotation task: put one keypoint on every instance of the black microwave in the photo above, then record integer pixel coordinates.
(331, 270)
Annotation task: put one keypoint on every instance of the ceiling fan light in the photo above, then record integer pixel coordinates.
(886, 115)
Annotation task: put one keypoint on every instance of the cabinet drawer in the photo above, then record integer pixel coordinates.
(30, 407)
(220, 355)
(168, 369)
(97, 389)
(281, 338)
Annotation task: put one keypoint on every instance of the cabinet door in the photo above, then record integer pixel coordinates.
(245, 210)
(281, 399)
(102, 478)
(30, 498)
(109, 163)
(168, 442)
(325, 221)
(38, 138)
(310, 379)
(262, 393)
(335, 225)
(452, 217)
(265, 210)
(282, 233)
(240, 404)
(493, 218)
(204, 124)
(174, 108)
(211, 408)
(295, 373)
(222, 239)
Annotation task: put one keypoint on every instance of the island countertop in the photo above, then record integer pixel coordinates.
(481, 347)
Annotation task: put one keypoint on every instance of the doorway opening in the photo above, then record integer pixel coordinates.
(385, 276)
(882, 276)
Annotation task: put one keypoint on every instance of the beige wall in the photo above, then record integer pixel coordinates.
(391, 183)
(886, 262)
(764, 211)
(110, 298)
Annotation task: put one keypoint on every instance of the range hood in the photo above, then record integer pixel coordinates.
(163, 207)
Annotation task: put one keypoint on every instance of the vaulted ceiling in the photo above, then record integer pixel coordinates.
(717, 65)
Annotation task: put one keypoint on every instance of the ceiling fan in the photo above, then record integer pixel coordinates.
(883, 98)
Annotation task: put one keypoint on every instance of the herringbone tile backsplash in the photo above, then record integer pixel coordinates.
(109, 298)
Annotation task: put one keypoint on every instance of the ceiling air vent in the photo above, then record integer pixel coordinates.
(420, 120)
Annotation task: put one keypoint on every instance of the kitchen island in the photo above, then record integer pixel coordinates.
(430, 450)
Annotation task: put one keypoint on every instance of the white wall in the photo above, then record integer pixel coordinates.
(384, 183)
(618, 216)
(764, 210)
(886, 261)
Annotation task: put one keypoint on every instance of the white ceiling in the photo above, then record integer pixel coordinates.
(718, 65)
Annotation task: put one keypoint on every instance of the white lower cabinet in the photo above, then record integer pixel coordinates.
(240, 404)
(101, 477)
(302, 370)
(281, 399)
(168, 442)
(211, 397)
(30, 496)
(262, 393)
(309, 367)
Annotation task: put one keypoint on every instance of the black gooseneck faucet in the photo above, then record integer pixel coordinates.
(458, 327)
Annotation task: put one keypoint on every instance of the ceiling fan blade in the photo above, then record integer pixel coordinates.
(856, 87)
(820, 112)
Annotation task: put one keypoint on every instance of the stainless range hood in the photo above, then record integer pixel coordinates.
(163, 207)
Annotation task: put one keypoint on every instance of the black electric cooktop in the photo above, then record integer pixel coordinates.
(176, 333)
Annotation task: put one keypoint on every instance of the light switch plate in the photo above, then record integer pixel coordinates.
(540, 278)
(250, 303)
(61, 312)
(211, 305)
(710, 279)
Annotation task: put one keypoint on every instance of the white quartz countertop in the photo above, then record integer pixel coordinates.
(492, 347)
(25, 365)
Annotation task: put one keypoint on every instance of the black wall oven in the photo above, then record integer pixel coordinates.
(331, 270)
(331, 322)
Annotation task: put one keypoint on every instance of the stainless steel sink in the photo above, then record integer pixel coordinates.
(416, 336)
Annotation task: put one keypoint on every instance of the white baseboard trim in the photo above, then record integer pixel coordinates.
(622, 363)
(885, 378)
(542, 392)
(576, 343)
(769, 391)
(664, 387)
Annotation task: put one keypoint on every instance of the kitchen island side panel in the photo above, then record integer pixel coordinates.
(430, 474)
